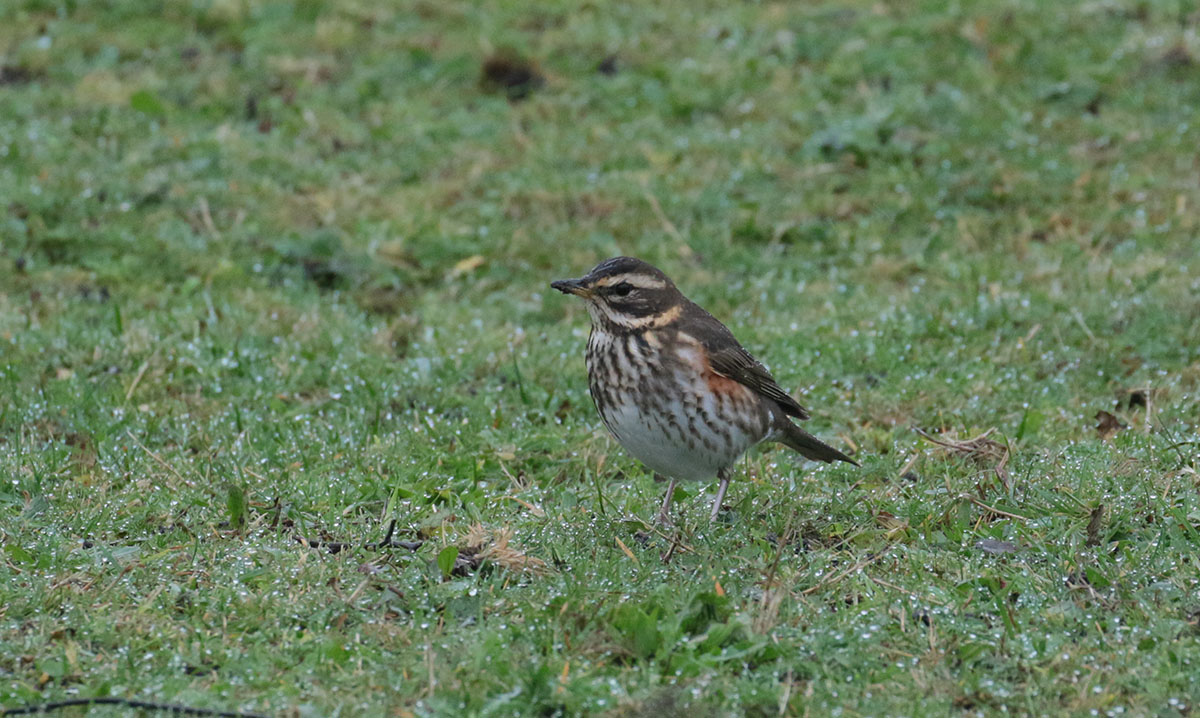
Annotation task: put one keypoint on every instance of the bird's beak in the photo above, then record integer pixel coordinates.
(572, 286)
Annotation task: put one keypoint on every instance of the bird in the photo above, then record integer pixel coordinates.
(673, 385)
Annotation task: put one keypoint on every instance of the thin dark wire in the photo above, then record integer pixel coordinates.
(148, 705)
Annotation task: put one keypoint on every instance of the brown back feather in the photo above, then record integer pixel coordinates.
(729, 359)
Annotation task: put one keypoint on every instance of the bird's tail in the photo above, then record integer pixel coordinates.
(808, 445)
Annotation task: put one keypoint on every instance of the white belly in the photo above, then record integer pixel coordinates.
(663, 442)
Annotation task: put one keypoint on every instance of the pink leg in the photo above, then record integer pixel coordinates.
(723, 475)
(664, 515)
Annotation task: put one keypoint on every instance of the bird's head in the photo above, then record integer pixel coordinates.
(626, 293)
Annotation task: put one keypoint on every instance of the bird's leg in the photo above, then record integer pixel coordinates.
(664, 514)
(723, 475)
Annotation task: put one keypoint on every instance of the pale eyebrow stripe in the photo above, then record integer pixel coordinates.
(637, 280)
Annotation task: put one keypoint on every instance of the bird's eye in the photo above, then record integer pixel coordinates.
(621, 290)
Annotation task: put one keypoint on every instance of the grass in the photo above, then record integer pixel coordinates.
(278, 270)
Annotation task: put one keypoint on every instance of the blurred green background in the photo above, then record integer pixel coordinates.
(275, 273)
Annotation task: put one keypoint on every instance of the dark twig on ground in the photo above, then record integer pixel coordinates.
(110, 701)
(980, 449)
(338, 546)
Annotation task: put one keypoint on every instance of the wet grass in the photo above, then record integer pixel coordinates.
(273, 275)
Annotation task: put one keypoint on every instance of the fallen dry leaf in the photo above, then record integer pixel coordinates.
(996, 547)
(891, 522)
(481, 545)
(466, 266)
(1107, 424)
(1095, 523)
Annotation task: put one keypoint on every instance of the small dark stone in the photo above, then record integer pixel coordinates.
(322, 273)
(510, 73)
(608, 66)
(12, 75)
(1177, 58)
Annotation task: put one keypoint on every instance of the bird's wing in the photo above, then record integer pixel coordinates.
(729, 359)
